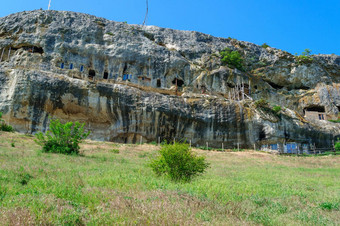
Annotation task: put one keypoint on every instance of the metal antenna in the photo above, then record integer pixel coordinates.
(146, 14)
(49, 5)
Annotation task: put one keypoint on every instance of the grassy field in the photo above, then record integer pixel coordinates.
(106, 187)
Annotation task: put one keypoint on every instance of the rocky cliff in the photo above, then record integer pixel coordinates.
(129, 82)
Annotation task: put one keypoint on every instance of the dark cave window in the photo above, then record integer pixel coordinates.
(255, 87)
(106, 75)
(179, 82)
(92, 73)
(262, 135)
(158, 83)
(62, 65)
(81, 68)
(37, 50)
(71, 66)
(315, 108)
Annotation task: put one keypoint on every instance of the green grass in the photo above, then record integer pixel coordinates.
(103, 187)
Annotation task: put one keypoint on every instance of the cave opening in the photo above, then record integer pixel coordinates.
(274, 85)
(262, 135)
(159, 84)
(177, 81)
(71, 66)
(315, 108)
(106, 75)
(92, 73)
(33, 49)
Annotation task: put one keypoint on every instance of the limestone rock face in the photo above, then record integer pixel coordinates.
(70, 66)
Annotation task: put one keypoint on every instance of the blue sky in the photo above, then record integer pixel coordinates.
(288, 25)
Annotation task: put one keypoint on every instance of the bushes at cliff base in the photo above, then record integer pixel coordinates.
(5, 127)
(178, 162)
(62, 138)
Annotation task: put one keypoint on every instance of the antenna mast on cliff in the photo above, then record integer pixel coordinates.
(49, 5)
(146, 14)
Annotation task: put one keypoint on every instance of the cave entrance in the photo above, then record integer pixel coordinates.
(106, 75)
(159, 84)
(92, 73)
(262, 134)
(71, 66)
(177, 81)
(315, 108)
(36, 49)
(62, 65)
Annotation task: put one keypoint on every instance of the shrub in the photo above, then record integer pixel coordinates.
(62, 138)
(232, 58)
(265, 45)
(276, 109)
(4, 126)
(337, 145)
(115, 151)
(178, 162)
(262, 103)
(304, 57)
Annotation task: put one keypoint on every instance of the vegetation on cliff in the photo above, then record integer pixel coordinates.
(232, 58)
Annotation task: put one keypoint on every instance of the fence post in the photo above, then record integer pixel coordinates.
(238, 146)
(141, 139)
(159, 141)
(254, 147)
(314, 149)
(222, 147)
(207, 145)
(334, 147)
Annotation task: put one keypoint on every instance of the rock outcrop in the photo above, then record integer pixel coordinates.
(71, 66)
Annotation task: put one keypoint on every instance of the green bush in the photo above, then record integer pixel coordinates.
(276, 109)
(115, 151)
(265, 45)
(178, 162)
(231, 58)
(262, 103)
(4, 126)
(304, 57)
(62, 138)
(337, 145)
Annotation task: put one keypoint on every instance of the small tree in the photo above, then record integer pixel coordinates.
(4, 126)
(232, 58)
(264, 45)
(178, 162)
(305, 57)
(337, 145)
(62, 138)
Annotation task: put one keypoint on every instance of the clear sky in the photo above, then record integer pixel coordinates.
(291, 25)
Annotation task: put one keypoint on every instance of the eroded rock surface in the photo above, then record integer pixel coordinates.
(97, 53)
